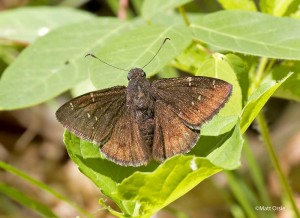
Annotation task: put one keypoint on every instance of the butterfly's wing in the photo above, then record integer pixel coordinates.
(92, 116)
(182, 106)
(171, 135)
(126, 145)
(194, 99)
(103, 118)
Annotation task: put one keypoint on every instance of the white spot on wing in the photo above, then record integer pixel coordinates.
(88, 115)
(92, 96)
(214, 82)
(199, 97)
(96, 118)
(72, 106)
(193, 103)
(189, 79)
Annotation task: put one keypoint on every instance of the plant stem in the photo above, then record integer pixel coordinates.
(267, 141)
(259, 74)
(256, 174)
(42, 186)
(237, 189)
(184, 16)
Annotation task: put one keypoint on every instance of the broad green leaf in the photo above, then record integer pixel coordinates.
(104, 173)
(191, 59)
(83, 87)
(28, 202)
(149, 192)
(217, 67)
(219, 125)
(54, 63)
(173, 18)
(27, 24)
(168, 72)
(247, 5)
(241, 70)
(250, 33)
(153, 7)
(274, 7)
(134, 49)
(40, 185)
(257, 100)
(290, 89)
(228, 154)
(130, 188)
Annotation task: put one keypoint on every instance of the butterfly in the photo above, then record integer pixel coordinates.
(145, 120)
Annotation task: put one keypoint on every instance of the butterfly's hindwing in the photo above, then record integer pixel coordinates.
(126, 145)
(171, 135)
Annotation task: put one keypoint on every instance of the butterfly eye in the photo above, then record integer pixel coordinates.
(143, 74)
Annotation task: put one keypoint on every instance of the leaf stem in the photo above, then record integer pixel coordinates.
(184, 16)
(267, 141)
(259, 74)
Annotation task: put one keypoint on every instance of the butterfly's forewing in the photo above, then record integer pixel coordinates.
(126, 145)
(92, 116)
(194, 99)
(171, 135)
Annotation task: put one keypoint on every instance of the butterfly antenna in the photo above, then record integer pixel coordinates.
(93, 56)
(156, 52)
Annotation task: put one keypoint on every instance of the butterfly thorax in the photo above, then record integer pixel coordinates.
(141, 102)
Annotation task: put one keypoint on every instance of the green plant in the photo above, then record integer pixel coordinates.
(237, 46)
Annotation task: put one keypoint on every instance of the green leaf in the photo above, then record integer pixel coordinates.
(27, 24)
(83, 87)
(141, 191)
(290, 89)
(104, 173)
(149, 192)
(134, 49)
(219, 125)
(153, 7)
(274, 7)
(191, 59)
(257, 100)
(247, 5)
(228, 154)
(269, 36)
(241, 70)
(28, 202)
(217, 67)
(54, 63)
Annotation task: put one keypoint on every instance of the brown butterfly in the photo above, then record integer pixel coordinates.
(146, 120)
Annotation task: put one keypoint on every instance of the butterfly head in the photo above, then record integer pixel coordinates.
(136, 73)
